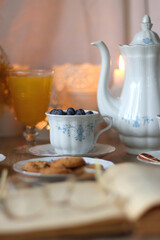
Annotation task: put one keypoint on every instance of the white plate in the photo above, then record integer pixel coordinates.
(18, 167)
(47, 150)
(154, 154)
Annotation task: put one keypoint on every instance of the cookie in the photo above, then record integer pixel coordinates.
(67, 165)
(82, 170)
(55, 171)
(95, 166)
(35, 166)
(86, 176)
(69, 162)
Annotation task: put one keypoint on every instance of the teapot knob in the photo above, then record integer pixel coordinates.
(146, 23)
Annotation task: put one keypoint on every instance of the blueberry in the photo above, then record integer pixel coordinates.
(80, 112)
(57, 112)
(71, 111)
(53, 111)
(60, 112)
(89, 112)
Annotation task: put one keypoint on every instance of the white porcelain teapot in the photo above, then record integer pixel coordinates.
(134, 113)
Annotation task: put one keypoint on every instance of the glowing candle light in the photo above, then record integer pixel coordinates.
(118, 78)
(118, 74)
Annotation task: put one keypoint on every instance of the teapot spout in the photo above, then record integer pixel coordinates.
(107, 104)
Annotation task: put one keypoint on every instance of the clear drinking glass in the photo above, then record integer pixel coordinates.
(30, 91)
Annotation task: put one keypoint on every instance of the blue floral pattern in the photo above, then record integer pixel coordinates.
(138, 122)
(79, 133)
(147, 40)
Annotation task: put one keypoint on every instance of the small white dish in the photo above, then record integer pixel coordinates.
(2, 157)
(47, 150)
(154, 154)
(18, 167)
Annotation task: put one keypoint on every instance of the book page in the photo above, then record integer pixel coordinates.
(136, 186)
(76, 206)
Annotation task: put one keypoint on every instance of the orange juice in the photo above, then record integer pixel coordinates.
(30, 94)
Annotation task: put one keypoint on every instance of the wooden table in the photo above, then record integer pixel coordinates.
(8, 144)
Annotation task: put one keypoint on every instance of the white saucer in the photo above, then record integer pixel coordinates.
(47, 150)
(2, 157)
(154, 154)
(18, 167)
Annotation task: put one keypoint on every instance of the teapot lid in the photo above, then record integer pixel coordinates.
(146, 36)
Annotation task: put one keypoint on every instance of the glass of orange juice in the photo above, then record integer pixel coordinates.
(30, 91)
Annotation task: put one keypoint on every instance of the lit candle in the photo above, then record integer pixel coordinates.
(118, 78)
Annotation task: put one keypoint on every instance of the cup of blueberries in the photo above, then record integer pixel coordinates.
(72, 131)
(70, 111)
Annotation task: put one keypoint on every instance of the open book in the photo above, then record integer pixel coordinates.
(125, 199)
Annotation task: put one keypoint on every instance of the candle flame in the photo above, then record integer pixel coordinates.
(121, 63)
(48, 127)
